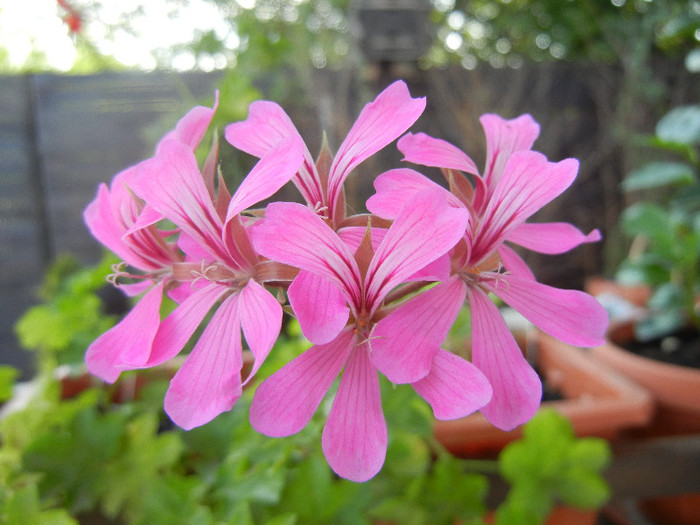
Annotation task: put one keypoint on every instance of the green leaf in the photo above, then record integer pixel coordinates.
(680, 125)
(692, 61)
(592, 452)
(8, 375)
(23, 506)
(658, 174)
(584, 489)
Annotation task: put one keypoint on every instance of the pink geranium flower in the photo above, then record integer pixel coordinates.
(321, 184)
(215, 261)
(366, 335)
(126, 225)
(500, 203)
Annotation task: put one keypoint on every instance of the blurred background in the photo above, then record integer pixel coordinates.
(88, 87)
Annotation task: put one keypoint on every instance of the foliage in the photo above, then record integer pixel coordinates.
(72, 314)
(508, 32)
(666, 225)
(550, 464)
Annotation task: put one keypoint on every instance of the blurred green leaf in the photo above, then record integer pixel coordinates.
(8, 375)
(692, 61)
(680, 125)
(658, 174)
(550, 464)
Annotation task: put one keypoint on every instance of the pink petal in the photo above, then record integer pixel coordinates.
(355, 437)
(438, 270)
(404, 343)
(147, 217)
(379, 123)
(272, 172)
(503, 138)
(319, 306)
(285, 402)
(128, 344)
(395, 187)
(178, 327)
(514, 264)
(428, 151)
(209, 381)
(293, 234)
(109, 228)
(261, 319)
(552, 237)
(266, 126)
(191, 128)
(454, 387)
(426, 228)
(353, 235)
(172, 184)
(517, 390)
(571, 316)
(528, 182)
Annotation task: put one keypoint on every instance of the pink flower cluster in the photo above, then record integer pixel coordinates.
(375, 293)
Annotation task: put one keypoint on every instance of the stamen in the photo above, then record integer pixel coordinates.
(202, 273)
(321, 210)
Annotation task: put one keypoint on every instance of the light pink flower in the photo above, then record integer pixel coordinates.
(214, 260)
(519, 184)
(364, 335)
(380, 122)
(228, 270)
(126, 225)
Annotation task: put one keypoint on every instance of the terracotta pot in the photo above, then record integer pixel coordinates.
(561, 515)
(598, 402)
(129, 388)
(676, 389)
(638, 295)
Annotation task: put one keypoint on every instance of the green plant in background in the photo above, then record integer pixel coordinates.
(550, 464)
(72, 313)
(665, 253)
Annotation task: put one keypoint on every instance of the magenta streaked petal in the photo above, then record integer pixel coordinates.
(571, 316)
(517, 389)
(320, 307)
(355, 436)
(395, 187)
(429, 151)
(404, 342)
(515, 264)
(172, 184)
(438, 270)
(293, 234)
(272, 172)
(454, 387)
(426, 228)
(527, 183)
(128, 344)
(353, 235)
(209, 381)
(147, 217)
(503, 138)
(176, 329)
(268, 124)
(109, 228)
(379, 123)
(285, 402)
(552, 237)
(191, 128)
(261, 319)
